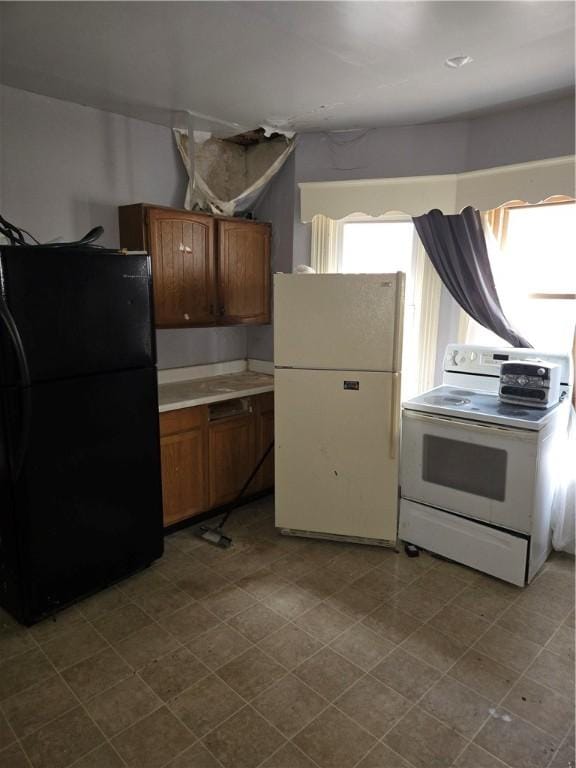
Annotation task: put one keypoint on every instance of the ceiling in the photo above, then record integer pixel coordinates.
(294, 65)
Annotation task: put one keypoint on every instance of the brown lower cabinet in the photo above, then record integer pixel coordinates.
(208, 452)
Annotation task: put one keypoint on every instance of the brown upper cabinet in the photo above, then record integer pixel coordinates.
(206, 270)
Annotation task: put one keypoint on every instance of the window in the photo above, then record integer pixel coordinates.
(388, 246)
(534, 263)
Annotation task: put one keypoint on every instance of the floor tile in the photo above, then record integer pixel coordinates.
(163, 601)
(349, 567)
(290, 646)
(201, 582)
(256, 622)
(291, 567)
(516, 742)
(362, 646)
(262, 583)
(508, 649)
(146, 645)
(21, 671)
(6, 733)
(189, 622)
(541, 707)
(381, 584)
(96, 674)
(173, 673)
(406, 569)
(218, 646)
(392, 623)
(196, 756)
(434, 647)
(246, 741)
(424, 741)
(406, 674)
(102, 603)
(373, 705)
(354, 602)
(62, 741)
(484, 675)
(442, 585)
(456, 706)
(419, 602)
(291, 601)
(555, 605)
(462, 625)
(565, 757)
(228, 601)
(328, 673)
(554, 671)
(251, 673)
(153, 741)
(288, 756)
(334, 741)
(144, 582)
(486, 604)
(321, 583)
(476, 757)
(289, 704)
(55, 625)
(458, 571)
(324, 622)
(101, 757)
(13, 757)
(382, 756)
(563, 642)
(32, 708)
(206, 704)
(121, 706)
(528, 624)
(120, 623)
(73, 646)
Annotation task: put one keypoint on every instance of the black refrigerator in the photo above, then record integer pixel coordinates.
(80, 482)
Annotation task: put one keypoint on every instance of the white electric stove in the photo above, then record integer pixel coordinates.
(477, 475)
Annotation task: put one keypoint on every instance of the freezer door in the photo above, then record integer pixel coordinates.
(77, 312)
(339, 322)
(337, 452)
(86, 503)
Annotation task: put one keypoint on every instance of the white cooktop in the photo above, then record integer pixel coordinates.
(480, 406)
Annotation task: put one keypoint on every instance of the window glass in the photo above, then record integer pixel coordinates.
(387, 246)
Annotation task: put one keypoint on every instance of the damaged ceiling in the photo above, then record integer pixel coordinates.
(231, 67)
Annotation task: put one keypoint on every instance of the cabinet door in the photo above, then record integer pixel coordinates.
(182, 250)
(244, 272)
(183, 475)
(264, 423)
(230, 456)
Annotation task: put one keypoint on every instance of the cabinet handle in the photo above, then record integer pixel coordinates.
(184, 248)
(186, 316)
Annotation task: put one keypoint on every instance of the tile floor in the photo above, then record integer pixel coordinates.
(290, 653)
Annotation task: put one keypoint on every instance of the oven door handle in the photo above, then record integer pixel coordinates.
(473, 426)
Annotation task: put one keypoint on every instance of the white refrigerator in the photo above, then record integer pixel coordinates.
(337, 357)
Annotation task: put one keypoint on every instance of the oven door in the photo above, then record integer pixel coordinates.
(478, 470)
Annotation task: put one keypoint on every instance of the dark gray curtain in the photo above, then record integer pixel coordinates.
(457, 249)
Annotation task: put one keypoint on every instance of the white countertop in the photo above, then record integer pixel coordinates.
(227, 386)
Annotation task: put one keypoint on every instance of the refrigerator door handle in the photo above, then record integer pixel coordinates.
(25, 393)
(394, 415)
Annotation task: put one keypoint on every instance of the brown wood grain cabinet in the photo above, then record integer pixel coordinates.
(206, 270)
(184, 463)
(208, 452)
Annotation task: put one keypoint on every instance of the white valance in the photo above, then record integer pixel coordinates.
(415, 195)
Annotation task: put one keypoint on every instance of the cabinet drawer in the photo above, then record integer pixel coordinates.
(490, 550)
(172, 422)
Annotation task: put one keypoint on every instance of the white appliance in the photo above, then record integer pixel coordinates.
(478, 475)
(338, 352)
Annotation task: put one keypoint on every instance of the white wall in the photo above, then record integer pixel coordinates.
(65, 168)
